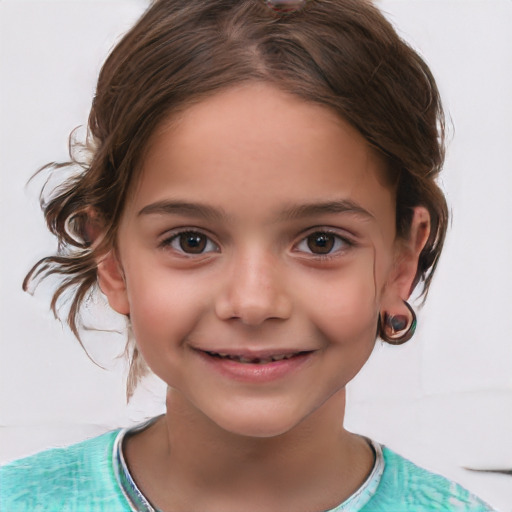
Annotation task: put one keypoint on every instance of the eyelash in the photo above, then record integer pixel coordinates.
(340, 244)
(190, 233)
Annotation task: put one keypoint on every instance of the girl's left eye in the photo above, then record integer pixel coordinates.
(321, 243)
(191, 242)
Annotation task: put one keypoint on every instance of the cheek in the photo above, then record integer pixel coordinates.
(164, 307)
(163, 314)
(344, 306)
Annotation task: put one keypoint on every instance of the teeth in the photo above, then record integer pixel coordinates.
(252, 360)
(259, 360)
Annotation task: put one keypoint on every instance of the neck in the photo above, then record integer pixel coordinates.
(186, 451)
(196, 437)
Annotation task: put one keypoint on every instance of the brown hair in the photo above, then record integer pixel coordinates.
(342, 54)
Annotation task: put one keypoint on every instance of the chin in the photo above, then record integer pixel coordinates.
(257, 424)
(258, 430)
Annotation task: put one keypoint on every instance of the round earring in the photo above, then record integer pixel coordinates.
(285, 6)
(397, 329)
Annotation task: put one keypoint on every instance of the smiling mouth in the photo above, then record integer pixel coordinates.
(256, 360)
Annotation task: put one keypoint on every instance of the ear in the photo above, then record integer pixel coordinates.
(112, 283)
(402, 277)
(110, 274)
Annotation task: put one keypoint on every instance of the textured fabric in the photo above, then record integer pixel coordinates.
(405, 487)
(75, 479)
(82, 478)
(132, 493)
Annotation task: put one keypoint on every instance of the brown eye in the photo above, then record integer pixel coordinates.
(321, 243)
(192, 243)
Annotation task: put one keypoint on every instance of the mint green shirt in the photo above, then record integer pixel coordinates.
(92, 476)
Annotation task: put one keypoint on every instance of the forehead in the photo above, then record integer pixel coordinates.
(257, 146)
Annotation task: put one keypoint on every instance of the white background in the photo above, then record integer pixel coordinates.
(444, 400)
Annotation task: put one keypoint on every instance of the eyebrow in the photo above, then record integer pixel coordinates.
(183, 208)
(322, 208)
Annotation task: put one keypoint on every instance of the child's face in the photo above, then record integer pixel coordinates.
(262, 227)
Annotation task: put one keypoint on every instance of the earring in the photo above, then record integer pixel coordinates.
(286, 6)
(397, 329)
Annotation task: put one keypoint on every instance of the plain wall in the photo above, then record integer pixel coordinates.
(443, 400)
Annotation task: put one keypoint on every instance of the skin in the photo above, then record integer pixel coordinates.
(264, 183)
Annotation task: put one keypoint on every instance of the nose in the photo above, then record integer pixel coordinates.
(253, 290)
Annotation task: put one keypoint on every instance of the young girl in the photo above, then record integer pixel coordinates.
(260, 203)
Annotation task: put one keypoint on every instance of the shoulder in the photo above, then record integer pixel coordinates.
(404, 486)
(79, 477)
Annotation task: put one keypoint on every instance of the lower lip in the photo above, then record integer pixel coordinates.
(248, 372)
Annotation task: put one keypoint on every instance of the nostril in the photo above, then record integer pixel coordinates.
(254, 290)
(252, 312)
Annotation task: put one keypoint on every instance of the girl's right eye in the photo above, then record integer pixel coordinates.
(191, 242)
